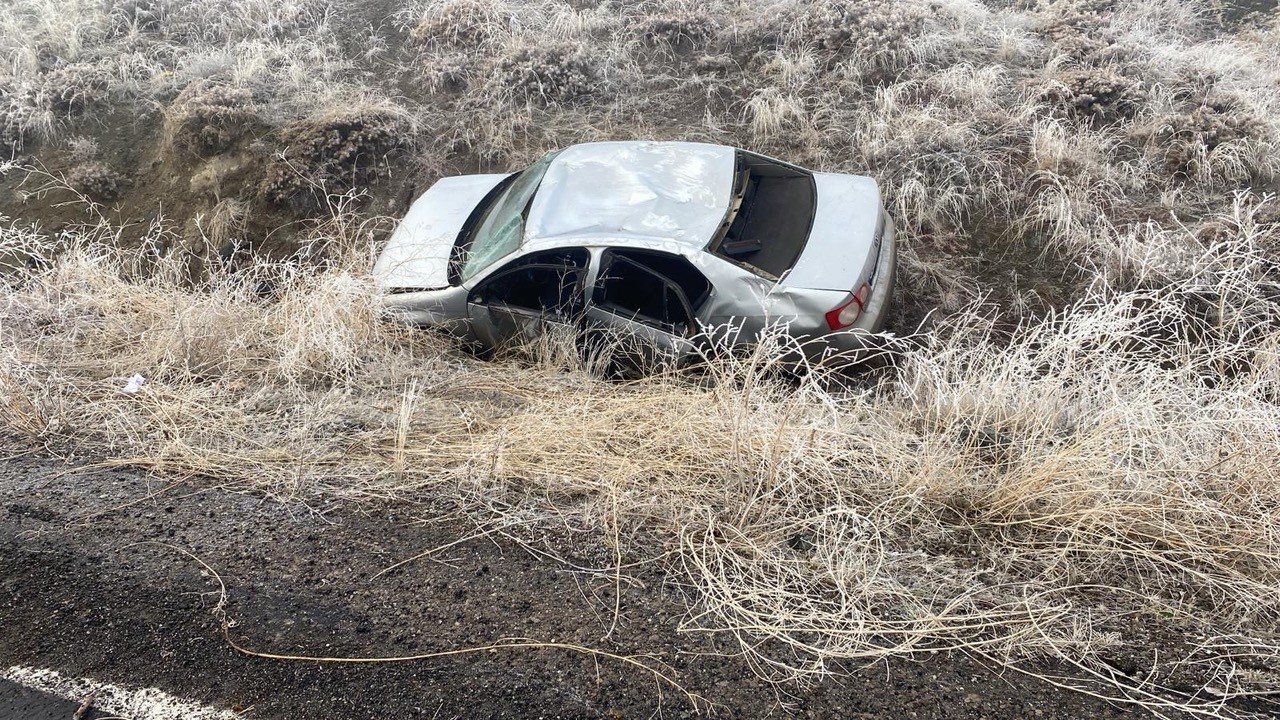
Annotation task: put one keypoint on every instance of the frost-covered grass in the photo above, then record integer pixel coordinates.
(1014, 494)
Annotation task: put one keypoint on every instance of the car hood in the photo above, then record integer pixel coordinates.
(417, 255)
(838, 252)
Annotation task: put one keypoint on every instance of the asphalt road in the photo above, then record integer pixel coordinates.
(22, 703)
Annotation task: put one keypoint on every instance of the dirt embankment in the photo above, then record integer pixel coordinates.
(96, 583)
(207, 179)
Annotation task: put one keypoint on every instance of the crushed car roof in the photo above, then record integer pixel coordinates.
(628, 192)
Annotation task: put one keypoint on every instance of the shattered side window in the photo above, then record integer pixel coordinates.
(546, 283)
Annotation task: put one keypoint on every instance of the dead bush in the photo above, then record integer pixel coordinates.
(25, 114)
(1092, 50)
(1192, 143)
(1069, 18)
(1080, 31)
(77, 87)
(1215, 232)
(208, 117)
(683, 32)
(760, 33)
(457, 24)
(930, 175)
(1095, 94)
(228, 21)
(96, 180)
(880, 35)
(135, 16)
(82, 149)
(331, 153)
(453, 73)
(548, 75)
(721, 65)
(228, 221)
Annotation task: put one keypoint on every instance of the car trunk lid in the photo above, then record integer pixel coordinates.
(840, 250)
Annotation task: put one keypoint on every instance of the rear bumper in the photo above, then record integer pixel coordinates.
(876, 310)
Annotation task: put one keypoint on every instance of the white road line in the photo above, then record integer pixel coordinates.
(137, 704)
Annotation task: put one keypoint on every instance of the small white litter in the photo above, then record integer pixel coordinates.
(134, 385)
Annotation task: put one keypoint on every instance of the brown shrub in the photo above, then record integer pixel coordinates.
(82, 149)
(757, 33)
(1188, 140)
(1096, 94)
(452, 73)
(331, 153)
(461, 23)
(561, 73)
(24, 115)
(208, 117)
(96, 180)
(127, 16)
(877, 32)
(77, 87)
(715, 65)
(1080, 31)
(683, 32)
(1070, 18)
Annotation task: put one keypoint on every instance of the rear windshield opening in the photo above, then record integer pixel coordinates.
(769, 216)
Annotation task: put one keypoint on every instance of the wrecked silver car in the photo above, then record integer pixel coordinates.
(681, 246)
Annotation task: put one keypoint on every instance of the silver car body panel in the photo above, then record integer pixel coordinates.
(417, 254)
(671, 193)
(842, 235)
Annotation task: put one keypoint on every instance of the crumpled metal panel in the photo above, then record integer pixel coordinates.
(674, 193)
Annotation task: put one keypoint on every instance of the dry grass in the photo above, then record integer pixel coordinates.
(1012, 494)
(1023, 482)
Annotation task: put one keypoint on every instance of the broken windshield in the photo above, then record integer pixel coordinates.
(501, 228)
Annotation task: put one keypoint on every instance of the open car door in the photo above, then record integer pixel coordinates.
(638, 317)
(520, 303)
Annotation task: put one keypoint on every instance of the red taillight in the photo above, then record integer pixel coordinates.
(847, 312)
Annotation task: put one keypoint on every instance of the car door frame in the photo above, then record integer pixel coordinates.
(649, 345)
(526, 325)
